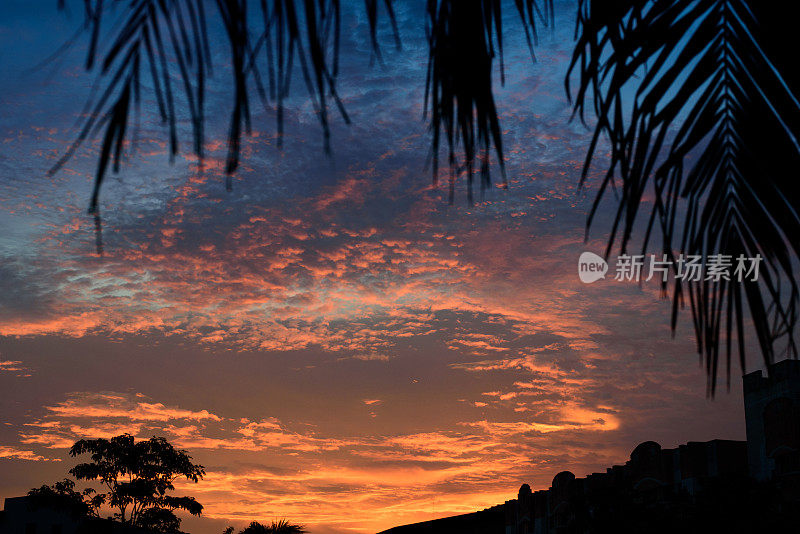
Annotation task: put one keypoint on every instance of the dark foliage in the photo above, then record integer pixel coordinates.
(155, 34)
(138, 476)
(62, 496)
(464, 37)
(699, 102)
(159, 520)
(282, 526)
(161, 41)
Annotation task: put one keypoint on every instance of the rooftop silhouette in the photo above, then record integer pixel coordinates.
(692, 487)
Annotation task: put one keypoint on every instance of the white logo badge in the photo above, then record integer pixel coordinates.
(591, 267)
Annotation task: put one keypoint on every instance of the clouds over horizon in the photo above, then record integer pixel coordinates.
(475, 461)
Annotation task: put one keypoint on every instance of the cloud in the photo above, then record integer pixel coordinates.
(103, 415)
(110, 405)
(22, 454)
(14, 367)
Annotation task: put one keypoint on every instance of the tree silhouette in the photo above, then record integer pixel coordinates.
(712, 128)
(137, 476)
(62, 496)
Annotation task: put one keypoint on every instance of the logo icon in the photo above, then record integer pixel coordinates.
(591, 267)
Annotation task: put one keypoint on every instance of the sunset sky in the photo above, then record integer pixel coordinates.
(335, 342)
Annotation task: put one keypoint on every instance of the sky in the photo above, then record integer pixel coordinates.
(332, 339)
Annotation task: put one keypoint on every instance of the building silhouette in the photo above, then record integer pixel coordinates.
(713, 486)
(772, 415)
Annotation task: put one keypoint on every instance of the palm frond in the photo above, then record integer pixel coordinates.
(371, 7)
(699, 101)
(280, 526)
(160, 41)
(154, 34)
(464, 37)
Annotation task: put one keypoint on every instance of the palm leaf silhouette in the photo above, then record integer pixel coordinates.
(164, 40)
(161, 41)
(464, 37)
(711, 128)
(698, 100)
(154, 35)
